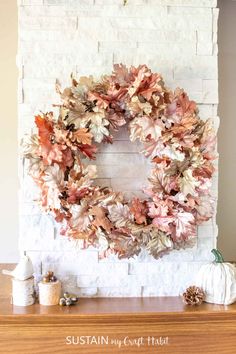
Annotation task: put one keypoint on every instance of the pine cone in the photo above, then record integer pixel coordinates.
(193, 295)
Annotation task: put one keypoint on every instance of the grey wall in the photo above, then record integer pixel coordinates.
(227, 131)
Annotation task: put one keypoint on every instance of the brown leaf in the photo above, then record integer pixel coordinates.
(124, 244)
(139, 210)
(88, 150)
(100, 219)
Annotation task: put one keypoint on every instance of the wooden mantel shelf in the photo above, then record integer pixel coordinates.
(125, 310)
(181, 329)
(117, 325)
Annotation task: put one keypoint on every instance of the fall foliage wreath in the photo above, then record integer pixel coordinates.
(180, 145)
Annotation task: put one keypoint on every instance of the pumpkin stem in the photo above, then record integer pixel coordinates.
(218, 256)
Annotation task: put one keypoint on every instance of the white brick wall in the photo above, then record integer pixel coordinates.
(177, 38)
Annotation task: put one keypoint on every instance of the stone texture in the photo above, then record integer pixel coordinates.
(177, 38)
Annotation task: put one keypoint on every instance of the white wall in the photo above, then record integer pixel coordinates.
(175, 37)
(9, 185)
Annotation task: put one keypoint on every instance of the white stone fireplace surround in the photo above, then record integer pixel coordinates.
(177, 38)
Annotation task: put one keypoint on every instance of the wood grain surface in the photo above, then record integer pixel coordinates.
(127, 324)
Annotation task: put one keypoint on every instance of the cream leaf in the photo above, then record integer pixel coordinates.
(80, 218)
(54, 176)
(183, 222)
(119, 214)
(159, 244)
(145, 127)
(188, 183)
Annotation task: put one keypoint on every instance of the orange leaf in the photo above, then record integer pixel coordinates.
(45, 129)
(82, 136)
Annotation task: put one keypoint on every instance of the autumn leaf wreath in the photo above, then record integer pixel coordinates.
(179, 143)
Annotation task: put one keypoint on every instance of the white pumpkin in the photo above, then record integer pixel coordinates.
(218, 281)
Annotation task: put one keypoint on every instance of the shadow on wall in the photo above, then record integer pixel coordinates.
(227, 132)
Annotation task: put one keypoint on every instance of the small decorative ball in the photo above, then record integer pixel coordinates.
(49, 274)
(46, 279)
(53, 278)
(62, 302)
(68, 302)
(68, 299)
(49, 277)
